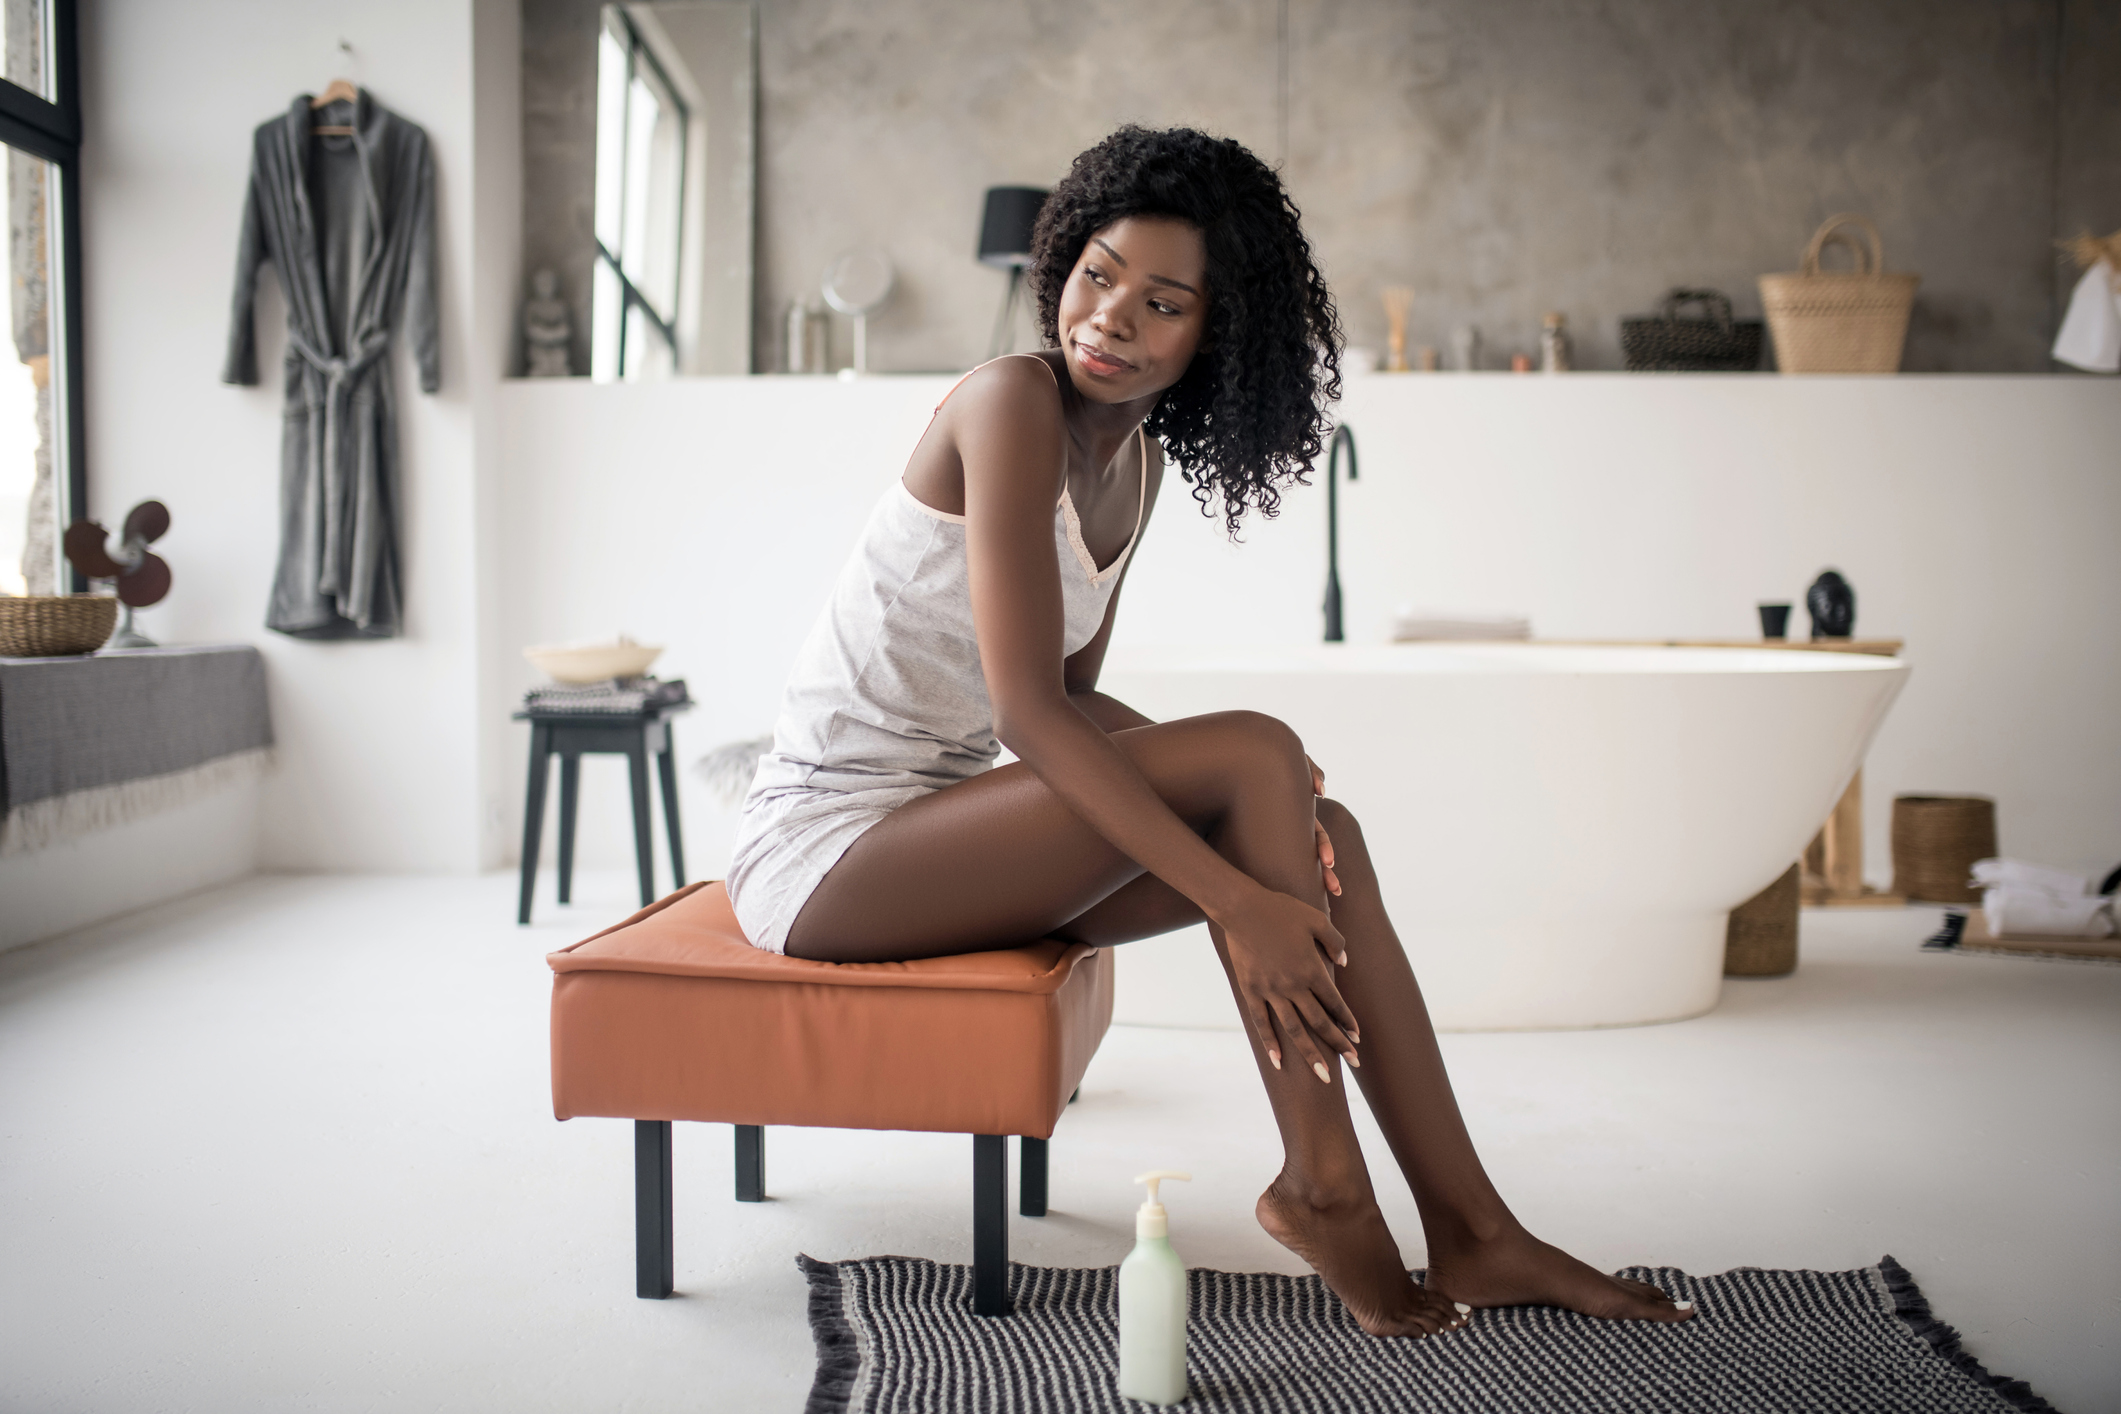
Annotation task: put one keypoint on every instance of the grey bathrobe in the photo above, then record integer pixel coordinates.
(349, 224)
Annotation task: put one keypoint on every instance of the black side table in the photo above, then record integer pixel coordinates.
(568, 735)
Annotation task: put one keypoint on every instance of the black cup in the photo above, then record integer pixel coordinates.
(1774, 621)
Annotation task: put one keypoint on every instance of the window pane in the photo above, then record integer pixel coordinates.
(28, 54)
(613, 70)
(30, 496)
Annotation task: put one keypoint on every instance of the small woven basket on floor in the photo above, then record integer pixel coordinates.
(1839, 321)
(1761, 940)
(1936, 840)
(55, 625)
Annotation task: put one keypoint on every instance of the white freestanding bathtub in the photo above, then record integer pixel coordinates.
(1560, 831)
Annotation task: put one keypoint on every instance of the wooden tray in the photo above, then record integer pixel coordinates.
(1978, 938)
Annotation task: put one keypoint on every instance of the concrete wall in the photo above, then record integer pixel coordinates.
(559, 96)
(2088, 128)
(1972, 514)
(1503, 157)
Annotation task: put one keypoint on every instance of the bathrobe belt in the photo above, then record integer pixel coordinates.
(346, 563)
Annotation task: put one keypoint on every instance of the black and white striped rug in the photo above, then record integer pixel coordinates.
(896, 1335)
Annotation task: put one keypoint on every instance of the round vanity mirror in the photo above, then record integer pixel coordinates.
(857, 284)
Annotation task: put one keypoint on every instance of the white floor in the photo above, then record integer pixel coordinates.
(287, 1146)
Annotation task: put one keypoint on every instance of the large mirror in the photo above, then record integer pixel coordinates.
(638, 187)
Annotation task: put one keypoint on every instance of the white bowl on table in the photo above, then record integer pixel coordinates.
(593, 662)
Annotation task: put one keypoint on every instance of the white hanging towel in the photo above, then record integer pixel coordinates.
(2090, 337)
(2015, 913)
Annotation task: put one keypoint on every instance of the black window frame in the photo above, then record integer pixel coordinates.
(631, 297)
(51, 129)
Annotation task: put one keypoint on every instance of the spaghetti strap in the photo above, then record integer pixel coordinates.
(1065, 504)
(969, 372)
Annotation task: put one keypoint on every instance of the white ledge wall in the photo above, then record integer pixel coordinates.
(1974, 515)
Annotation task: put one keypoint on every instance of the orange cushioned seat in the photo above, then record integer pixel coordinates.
(672, 1015)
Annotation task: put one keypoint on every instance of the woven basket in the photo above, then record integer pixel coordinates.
(1761, 940)
(1711, 343)
(1936, 839)
(1839, 321)
(55, 625)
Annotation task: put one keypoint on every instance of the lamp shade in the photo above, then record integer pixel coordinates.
(1005, 227)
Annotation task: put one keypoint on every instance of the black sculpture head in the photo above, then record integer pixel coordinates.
(1832, 605)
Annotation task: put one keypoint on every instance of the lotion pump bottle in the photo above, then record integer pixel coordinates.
(1152, 1306)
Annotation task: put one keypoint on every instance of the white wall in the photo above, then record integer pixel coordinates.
(207, 841)
(1974, 516)
(382, 760)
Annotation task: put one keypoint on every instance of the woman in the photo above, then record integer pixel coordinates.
(1182, 308)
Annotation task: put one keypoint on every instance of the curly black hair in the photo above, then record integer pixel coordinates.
(1248, 417)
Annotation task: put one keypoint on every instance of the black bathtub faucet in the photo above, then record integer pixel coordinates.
(1342, 437)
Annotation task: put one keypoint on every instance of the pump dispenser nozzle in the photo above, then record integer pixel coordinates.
(1150, 1220)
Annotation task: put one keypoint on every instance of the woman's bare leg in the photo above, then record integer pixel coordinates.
(1000, 859)
(1478, 1252)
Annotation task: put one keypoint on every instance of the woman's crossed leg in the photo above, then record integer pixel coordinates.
(1000, 859)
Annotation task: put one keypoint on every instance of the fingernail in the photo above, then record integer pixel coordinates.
(1682, 1305)
(1463, 1309)
(1275, 1056)
(1356, 1037)
(1343, 956)
(1353, 1060)
(1323, 1074)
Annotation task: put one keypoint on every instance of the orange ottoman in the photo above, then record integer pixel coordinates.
(673, 1015)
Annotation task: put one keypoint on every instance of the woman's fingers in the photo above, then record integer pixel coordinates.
(1299, 1037)
(1329, 938)
(1326, 1029)
(1325, 858)
(1337, 1009)
(1318, 777)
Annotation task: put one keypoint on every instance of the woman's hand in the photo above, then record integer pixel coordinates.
(1279, 950)
(1325, 841)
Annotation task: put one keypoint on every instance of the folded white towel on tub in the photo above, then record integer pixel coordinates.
(2017, 874)
(2014, 912)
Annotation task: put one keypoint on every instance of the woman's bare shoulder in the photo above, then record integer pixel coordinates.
(1013, 389)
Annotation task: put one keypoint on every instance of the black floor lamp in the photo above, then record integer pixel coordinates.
(1005, 243)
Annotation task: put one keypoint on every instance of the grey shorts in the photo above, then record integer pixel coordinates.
(788, 842)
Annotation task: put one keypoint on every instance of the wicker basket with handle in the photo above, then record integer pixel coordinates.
(1839, 321)
(55, 625)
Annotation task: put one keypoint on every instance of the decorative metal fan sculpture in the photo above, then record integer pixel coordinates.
(142, 576)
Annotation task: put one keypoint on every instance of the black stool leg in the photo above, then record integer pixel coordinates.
(534, 813)
(643, 827)
(990, 1225)
(1031, 1178)
(666, 766)
(751, 1163)
(570, 784)
(654, 1253)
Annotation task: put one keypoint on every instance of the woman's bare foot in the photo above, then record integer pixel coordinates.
(1515, 1268)
(1346, 1243)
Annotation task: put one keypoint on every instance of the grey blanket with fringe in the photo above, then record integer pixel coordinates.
(77, 724)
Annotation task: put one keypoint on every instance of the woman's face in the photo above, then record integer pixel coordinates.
(1135, 308)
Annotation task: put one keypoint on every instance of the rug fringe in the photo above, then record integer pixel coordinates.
(1911, 1306)
(839, 1356)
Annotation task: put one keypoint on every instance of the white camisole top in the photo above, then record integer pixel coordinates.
(886, 701)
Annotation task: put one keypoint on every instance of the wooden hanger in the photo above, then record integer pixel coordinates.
(337, 91)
